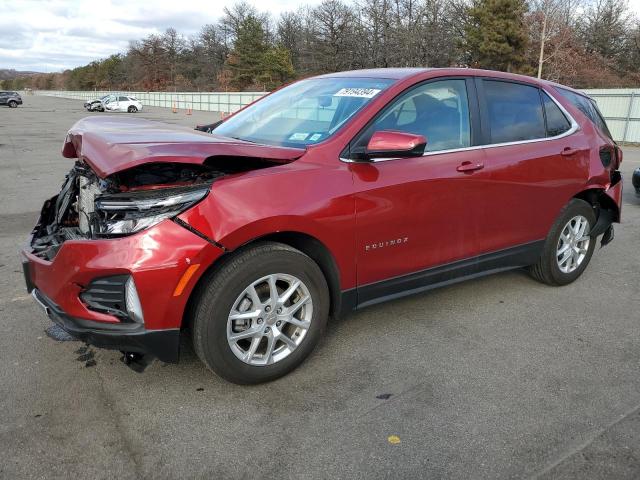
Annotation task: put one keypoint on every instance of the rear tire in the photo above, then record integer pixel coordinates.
(13, 104)
(228, 293)
(567, 253)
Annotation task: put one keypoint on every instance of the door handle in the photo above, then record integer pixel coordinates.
(470, 166)
(568, 151)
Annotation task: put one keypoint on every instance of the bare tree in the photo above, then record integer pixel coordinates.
(552, 27)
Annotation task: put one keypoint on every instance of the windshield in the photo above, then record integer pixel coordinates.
(303, 113)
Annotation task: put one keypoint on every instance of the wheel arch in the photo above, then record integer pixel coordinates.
(597, 198)
(307, 244)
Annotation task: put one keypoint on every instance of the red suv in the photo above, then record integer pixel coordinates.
(332, 194)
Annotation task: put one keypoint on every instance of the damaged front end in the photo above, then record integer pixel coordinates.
(104, 260)
(89, 207)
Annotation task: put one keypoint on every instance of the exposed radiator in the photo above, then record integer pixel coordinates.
(87, 193)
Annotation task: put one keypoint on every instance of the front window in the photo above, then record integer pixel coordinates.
(437, 110)
(304, 113)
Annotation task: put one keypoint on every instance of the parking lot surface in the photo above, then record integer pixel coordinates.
(499, 377)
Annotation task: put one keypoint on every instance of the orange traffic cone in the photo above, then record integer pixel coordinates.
(189, 110)
(174, 109)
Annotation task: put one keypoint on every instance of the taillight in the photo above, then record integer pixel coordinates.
(611, 156)
(618, 156)
(606, 156)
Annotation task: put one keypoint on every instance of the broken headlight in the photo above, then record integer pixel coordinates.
(129, 212)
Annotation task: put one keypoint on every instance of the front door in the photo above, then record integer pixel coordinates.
(416, 213)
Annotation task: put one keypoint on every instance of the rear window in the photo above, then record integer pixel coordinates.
(588, 107)
(515, 112)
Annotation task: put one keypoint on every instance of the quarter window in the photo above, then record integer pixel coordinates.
(514, 111)
(437, 110)
(557, 123)
(588, 107)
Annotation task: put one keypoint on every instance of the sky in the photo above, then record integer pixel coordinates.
(53, 35)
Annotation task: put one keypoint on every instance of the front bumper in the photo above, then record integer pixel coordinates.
(156, 258)
(126, 337)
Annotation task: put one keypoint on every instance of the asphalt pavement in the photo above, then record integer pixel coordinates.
(500, 377)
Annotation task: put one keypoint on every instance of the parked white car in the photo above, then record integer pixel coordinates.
(121, 103)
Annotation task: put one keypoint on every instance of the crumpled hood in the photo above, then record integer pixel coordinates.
(111, 144)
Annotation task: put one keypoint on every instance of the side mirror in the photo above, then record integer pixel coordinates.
(389, 143)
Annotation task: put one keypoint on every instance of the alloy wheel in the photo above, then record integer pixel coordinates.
(573, 244)
(269, 319)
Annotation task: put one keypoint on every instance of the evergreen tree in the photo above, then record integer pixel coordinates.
(246, 60)
(496, 37)
(277, 68)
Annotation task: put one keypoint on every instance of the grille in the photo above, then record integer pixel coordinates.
(107, 295)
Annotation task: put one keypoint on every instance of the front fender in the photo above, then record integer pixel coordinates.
(237, 212)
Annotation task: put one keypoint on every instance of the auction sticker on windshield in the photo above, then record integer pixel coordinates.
(299, 136)
(357, 92)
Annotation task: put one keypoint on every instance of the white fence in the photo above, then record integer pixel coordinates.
(620, 107)
(227, 102)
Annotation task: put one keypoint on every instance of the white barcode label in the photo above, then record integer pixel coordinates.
(357, 92)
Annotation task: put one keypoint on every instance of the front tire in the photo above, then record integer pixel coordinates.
(132, 109)
(259, 315)
(568, 247)
(13, 104)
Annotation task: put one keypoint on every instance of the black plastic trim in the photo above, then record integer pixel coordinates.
(128, 337)
(605, 219)
(26, 270)
(107, 295)
(515, 257)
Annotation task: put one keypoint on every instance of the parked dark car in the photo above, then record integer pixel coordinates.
(332, 194)
(11, 99)
(636, 180)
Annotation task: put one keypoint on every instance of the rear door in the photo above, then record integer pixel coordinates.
(417, 213)
(534, 162)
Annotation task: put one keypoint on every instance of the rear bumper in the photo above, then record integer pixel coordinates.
(126, 337)
(614, 192)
